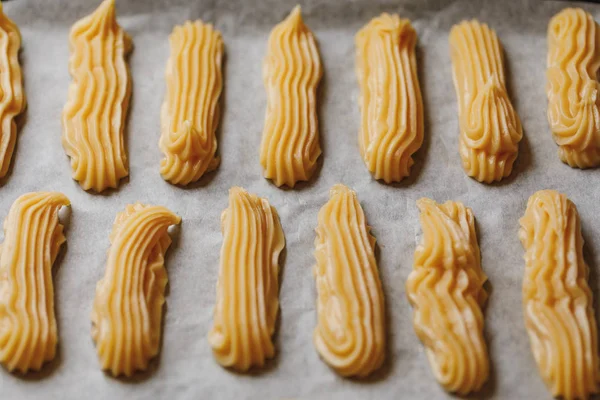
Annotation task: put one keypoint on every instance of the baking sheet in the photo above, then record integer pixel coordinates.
(185, 368)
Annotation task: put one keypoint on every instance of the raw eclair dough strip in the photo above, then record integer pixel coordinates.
(490, 129)
(247, 301)
(32, 238)
(127, 309)
(392, 109)
(446, 291)
(572, 87)
(350, 333)
(12, 101)
(93, 118)
(291, 73)
(557, 300)
(190, 112)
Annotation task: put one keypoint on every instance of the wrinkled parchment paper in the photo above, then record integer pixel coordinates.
(185, 368)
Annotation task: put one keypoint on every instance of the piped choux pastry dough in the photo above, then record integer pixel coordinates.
(11, 86)
(446, 291)
(291, 72)
(127, 309)
(392, 110)
(94, 117)
(190, 112)
(248, 285)
(572, 87)
(557, 300)
(350, 333)
(490, 129)
(33, 236)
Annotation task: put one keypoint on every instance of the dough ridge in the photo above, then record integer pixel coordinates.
(247, 302)
(390, 101)
(572, 87)
(13, 100)
(292, 70)
(93, 118)
(350, 333)
(127, 309)
(33, 236)
(557, 300)
(190, 113)
(490, 129)
(446, 291)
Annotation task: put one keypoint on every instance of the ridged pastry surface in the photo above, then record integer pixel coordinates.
(248, 285)
(127, 309)
(291, 73)
(32, 238)
(446, 290)
(490, 129)
(557, 300)
(392, 110)
(12, 96)
(350, 333)
(190, 112)
(572, 87)
(94, 117)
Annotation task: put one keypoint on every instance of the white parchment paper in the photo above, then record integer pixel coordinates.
(185, 368)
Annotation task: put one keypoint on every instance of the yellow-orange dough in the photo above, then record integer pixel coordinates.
(350, 334)
(190, 112)
(12, 96)
(248, 285)
(392, 110)
(127, 310)
(32, 238)
(94, 116)
(490, 129)
(572, 87)
(291, 72)
(557, 301)
(446, 290)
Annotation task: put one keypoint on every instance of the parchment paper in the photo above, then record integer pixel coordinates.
(185, 368)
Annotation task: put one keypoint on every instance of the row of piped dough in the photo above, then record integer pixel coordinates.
(391, 127)
(446, 289)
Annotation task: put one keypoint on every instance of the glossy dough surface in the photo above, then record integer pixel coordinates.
(32, 239)
(490, 129)
(392, 110)
(248, 285)
(446, 290)
(127, 310)
(12, 96)
(291, 72)
(94, 117)
(190, 112)
(350, 334)
(557, 300)
(572, 87)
